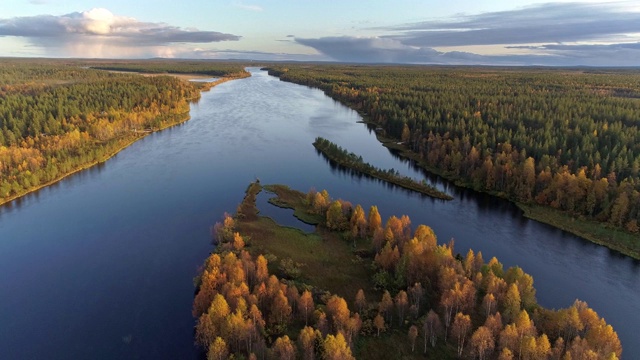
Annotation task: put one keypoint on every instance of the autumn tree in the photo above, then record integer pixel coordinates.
(360, 300)
(489, 304)
(388, 258)
(524, 283)
(238, 242)
(218, 350)
(413, 334)
(306, 341)
(416, 292)
(262, 272)
(482, 342)
(338, 312)
(494, 324)
(206, 331)
(283, 348)
(386, 304)
(543, 347)
(322, 323)
(335, 217)
(375, 221)
(280, 309)
(505, 354)
(460, 330)
(358, 224)
(511, 304)
(354, 324)
(426, 235)
(306, 306)
(525, 328)
(401, 301)
(432, 328)
(336, 348)
(378, 322)
(509, 338)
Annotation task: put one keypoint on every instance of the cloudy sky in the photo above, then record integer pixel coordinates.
(497, 32)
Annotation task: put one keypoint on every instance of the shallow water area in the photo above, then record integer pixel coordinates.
(280, 215)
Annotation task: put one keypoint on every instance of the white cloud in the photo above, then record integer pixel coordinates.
(368, 49)
(551, 22)
(377, 50)
(100, 33)
(248, 7)
(565, 34)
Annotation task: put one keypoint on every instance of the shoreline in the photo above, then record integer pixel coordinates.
(604, 237)
(118, 149)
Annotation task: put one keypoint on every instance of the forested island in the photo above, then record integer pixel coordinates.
(563, 144)
(59, 116)
(358, 288)
(354, 162)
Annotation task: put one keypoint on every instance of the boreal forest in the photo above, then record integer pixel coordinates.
(562, 140)
(57, 117)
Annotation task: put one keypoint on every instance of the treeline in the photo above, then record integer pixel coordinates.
(56, 117)
(203, 67)
(352, 161)
(562, 138)
(438, 299)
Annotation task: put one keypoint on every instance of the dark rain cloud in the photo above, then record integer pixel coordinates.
(552, 22)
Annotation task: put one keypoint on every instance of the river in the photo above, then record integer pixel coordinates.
(100, 265)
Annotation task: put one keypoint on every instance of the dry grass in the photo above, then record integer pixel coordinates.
(328, 261)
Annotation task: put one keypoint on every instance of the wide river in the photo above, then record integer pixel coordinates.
(100, 265)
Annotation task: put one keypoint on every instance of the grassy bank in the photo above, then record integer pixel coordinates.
(326, 261)
(595, 232)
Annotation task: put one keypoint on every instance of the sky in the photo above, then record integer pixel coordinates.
(450, 32)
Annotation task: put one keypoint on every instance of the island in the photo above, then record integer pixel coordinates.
(354, 162)
(355, 288)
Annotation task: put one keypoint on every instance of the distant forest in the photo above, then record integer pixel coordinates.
(57, 116)
(566, 139)
(174, 67)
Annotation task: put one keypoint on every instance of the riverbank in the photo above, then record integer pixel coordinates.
(117, 145)
(372, 94)
(595, 232)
